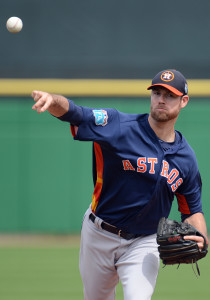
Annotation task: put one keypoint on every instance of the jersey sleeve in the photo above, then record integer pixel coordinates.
(99, 125)
(74, 115)
(189, 194)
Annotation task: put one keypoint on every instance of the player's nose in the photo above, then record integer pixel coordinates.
(162, 98)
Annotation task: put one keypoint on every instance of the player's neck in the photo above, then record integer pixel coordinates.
(164, 130)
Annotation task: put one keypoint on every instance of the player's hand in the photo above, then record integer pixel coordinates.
(43, 101)
(198, 239)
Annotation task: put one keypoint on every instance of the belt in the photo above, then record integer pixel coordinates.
(114, 229)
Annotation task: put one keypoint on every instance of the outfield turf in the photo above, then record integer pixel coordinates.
(52, 273)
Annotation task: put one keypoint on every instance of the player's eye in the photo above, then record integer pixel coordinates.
(171, 96)
(156, 92)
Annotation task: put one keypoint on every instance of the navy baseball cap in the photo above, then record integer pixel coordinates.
(172, 80)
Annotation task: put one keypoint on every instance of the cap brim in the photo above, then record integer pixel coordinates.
(168, 87)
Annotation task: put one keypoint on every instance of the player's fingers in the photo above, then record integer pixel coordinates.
(45, 106)
(44, 100)
(195, 238)
(198, 239)
(39, 104)
(37, 95)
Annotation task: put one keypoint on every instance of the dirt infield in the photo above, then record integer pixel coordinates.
(39, 240)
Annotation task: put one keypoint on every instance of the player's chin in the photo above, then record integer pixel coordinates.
(163, 115)
(160, 116)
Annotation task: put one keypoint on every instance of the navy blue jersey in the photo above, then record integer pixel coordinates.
(135, 179)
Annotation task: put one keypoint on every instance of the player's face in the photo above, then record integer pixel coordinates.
(165, 105)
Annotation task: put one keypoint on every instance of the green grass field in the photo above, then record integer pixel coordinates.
(51, 272)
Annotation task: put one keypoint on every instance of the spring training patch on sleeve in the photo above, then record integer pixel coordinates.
(101, 117)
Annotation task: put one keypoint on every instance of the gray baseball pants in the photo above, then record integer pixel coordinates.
(106, 258)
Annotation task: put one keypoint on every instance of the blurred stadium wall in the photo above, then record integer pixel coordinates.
(100, 54)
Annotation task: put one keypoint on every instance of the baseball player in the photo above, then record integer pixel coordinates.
(140, 163)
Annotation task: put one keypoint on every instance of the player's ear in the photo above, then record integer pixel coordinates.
(184, 100)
